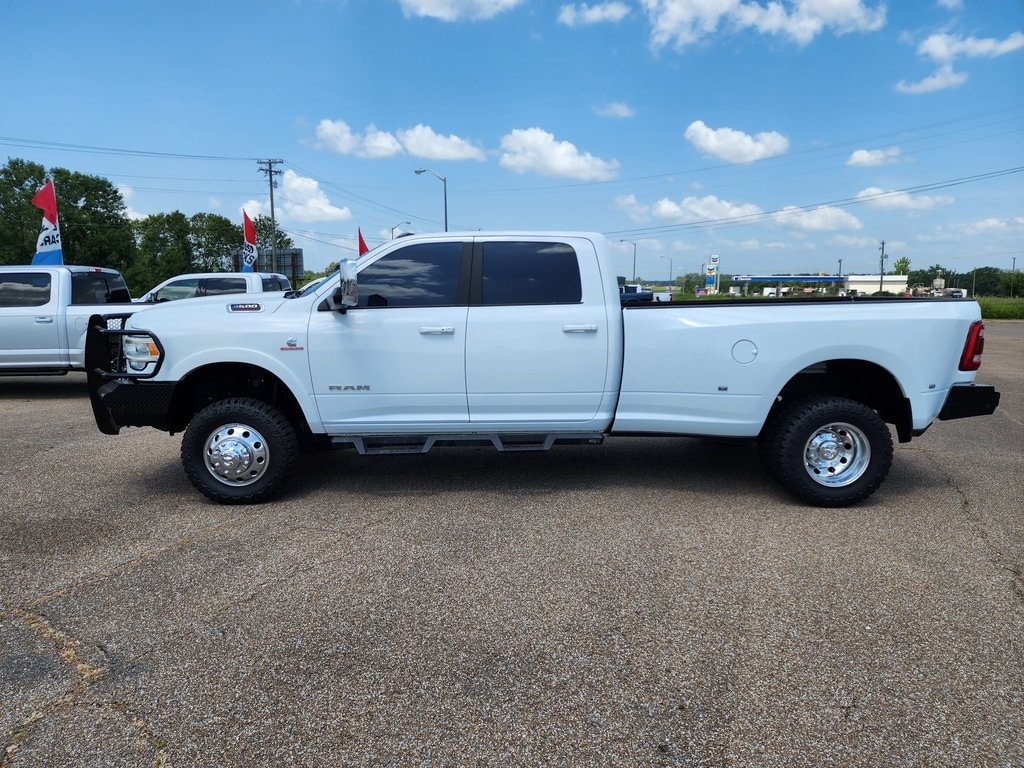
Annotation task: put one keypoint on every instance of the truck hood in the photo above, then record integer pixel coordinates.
(204, 310)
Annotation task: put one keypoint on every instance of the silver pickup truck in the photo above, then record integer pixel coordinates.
(44, 314)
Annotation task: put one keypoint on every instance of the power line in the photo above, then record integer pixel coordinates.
(38, 144)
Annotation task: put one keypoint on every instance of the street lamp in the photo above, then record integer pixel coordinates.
(669, 268)
(634, 257)
(396, 227)
(444, 181)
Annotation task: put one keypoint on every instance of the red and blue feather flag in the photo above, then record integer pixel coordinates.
(48, 248)
(249, 251)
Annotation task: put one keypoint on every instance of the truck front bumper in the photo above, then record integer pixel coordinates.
(120, 398)
(970, 400)
(129, 403)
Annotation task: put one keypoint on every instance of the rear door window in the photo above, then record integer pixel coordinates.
(214, 286)
(98, 288)
(276, 284)
(516, 273)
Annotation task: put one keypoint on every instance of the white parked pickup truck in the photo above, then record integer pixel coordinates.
(44, 313)
(519, 340)
(213, 284)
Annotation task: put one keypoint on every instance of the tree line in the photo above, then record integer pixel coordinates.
(95, 229)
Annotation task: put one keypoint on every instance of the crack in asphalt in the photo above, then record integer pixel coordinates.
(997, 556)
(69, 650)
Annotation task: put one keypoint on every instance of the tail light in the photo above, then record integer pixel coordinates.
(970, 360)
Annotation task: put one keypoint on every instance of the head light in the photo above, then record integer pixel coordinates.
(140, 352)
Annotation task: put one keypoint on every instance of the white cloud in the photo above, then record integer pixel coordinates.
(872, 157)
(951, 5)
(943, 48)
(944, 77)
(127, 193)
(419, 141)
(881, 198)
(685, 22)
(639, 214)
(707, 208)
(533, 149)
(457, 10)
(422, 141)
(848, 241)
(995, 226)
(735, 146)
(616, 109)
(824, 218)
(336, 136)
(303, 200)
(256, 208)
(575, 15)
(378, 143)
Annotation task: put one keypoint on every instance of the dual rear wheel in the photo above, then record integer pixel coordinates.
(830, 452)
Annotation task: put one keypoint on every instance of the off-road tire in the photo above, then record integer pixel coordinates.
(239, 451)
(827, 451)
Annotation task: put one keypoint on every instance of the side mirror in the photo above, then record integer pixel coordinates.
(347, 293)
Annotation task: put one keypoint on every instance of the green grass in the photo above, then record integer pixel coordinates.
(1001, 308)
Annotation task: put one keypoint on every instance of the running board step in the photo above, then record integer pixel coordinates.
(397, 444)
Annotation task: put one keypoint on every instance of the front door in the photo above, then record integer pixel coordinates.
(31, 321)
(397, 360)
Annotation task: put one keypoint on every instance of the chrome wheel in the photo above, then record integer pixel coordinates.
(837, 454)
(236, 454)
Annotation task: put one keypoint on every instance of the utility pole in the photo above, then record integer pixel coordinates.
(271, 173)
(881, 267)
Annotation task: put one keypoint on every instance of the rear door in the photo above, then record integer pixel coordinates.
(397, 360)
(30, 321)
(537, 350)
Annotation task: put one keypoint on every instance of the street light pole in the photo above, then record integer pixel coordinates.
(396, 227)
(444, 181)
(669, 268)
(634, 257)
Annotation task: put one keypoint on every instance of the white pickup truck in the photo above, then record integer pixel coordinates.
(520, 341)
(213, 284)
(44, 313)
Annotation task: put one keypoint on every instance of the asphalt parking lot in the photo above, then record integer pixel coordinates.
(644, 603)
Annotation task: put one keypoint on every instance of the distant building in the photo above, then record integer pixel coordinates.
(862, 284)
(287, 261)
(868, 284)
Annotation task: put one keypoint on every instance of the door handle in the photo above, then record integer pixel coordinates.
(437, 330)
(44, 320)
(579, 328)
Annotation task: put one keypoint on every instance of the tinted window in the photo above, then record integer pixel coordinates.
(213, 286)
(98, 288)
(421, 275)
(530, 273)
(24, 289)
(276, 284)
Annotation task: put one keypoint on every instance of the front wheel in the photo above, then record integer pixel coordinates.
(238, 451)
(831, 452)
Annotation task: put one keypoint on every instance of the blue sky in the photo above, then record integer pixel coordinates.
(783, 136)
